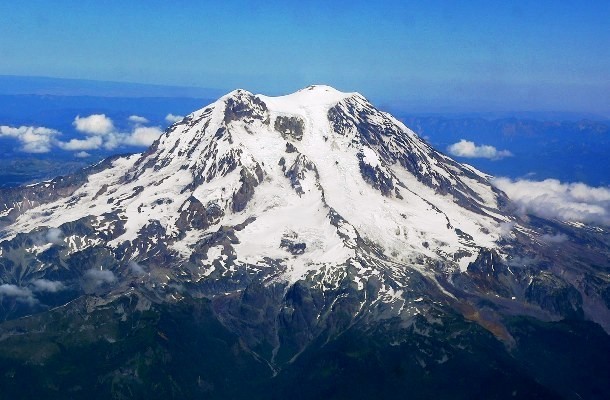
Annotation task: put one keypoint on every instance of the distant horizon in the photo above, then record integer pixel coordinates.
(52, 86)
(426, 56)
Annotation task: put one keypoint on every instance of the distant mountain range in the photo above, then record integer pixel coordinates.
(572, 151)
(34, 85)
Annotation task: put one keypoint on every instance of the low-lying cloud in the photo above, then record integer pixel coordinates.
(553, 238)
(137, 119)
(102, 133)
(45, 285)
(506, 229)
(172, 119)
(574, 202)
(18, 293)
(95, 124)
(33, 139)
(55, 236)
(143, 136)
(99, 277)
(136, 268)
(99, 132)
(82, 154)
(90, 143)
(468, 149)
(27, 295)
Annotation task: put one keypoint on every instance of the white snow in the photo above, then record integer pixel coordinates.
(370, 157)
(405, 230)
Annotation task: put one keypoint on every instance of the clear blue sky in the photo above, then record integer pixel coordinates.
(504, 55)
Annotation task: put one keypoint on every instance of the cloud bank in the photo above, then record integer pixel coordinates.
(102, 133)
(574, 202)
(468, 149)
(92, 142)
(45, 285)
(506, 229)
(99, 131)
(27, 294)
(20, 294)
(33, 139)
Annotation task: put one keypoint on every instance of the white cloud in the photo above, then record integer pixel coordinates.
(45, 285)
(82, 154)
(137, 119)
(55, 236)
(90, 143)
(96, 124)
(106, 136)
(33, 139)
(100, 131)
(25, 294)
(98, 277)
(553, 239)
(143, 136)
(113, 140)
(468, 149)
(575, 202)
(171, 118)
(136, 268)
(20, 294)
(506, 229)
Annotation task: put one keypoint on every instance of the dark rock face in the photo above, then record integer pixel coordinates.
(376, 177)
(224, 236)
(246, 107)
(296, 172)
(297, 319)
(488, 263)
(488, 274)
(290, 148)
(195, 215)
(152, 240)
(293, 247)
(290, 127)
(555, 295)
(248, 182)
(226, 164)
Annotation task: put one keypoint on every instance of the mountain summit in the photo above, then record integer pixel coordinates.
(297, 221)
(319, 167)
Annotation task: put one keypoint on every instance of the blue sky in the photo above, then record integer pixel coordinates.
(481, 55)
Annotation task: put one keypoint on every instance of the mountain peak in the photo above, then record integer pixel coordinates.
(235, 93)
(316, 97)
(318, 167)
(320, 88)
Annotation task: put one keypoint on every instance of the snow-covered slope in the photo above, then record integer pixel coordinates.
(318, 168)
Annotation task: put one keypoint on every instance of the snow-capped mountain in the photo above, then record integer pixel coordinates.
(320, 168)
(298, 217)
